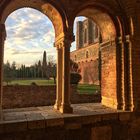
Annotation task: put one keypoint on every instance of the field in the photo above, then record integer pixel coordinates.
(30, 81)
(82, 88)
(88, 89)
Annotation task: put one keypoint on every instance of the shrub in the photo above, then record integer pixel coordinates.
(33, 84)
(75, 78)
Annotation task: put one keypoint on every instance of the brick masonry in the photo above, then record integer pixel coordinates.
(31, 96)
(87, 59)
(89, 122)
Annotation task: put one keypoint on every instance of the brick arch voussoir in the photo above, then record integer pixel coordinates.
(112, 14)
(53, 12)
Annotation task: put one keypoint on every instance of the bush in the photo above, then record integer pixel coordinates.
(33, 84)
(75, 78)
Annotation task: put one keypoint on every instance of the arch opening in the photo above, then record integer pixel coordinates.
(106, 54)
(32, 59)
(46, 8)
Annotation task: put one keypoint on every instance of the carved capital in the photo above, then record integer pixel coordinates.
(128, 38)
(64, 40)
(119, 40)
(62, 43)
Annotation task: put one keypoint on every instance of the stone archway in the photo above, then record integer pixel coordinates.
(62, 42)
(113, 56)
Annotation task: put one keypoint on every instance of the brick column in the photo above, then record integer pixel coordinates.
(59, 78)
(136, 73)
(65, 104)
(120, 72)
(128, 74)
(2, 39)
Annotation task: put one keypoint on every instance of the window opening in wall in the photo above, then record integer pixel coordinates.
(86, 49)
(29, 59)
(85, 36)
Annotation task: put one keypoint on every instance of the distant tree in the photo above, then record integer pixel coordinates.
(13, 70)
(51, 60)
(53, 71)
(7, 73)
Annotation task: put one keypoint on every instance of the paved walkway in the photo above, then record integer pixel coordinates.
(32, 118)
(47, 112)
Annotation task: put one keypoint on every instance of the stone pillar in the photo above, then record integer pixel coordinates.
(2, 39)
(120, 72)
(65, 104)
(59, 78)
(128, 74)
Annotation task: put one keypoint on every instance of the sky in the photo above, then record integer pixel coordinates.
(29, 34)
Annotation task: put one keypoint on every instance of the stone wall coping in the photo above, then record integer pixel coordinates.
(23, 119)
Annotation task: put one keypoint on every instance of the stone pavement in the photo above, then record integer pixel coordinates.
(22, 119)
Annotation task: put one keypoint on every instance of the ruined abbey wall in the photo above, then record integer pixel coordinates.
(87, 51)
(87, 59)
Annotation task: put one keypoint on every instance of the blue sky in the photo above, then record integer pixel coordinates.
(29, 33)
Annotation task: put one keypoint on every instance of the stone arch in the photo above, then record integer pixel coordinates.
(54, 13)
(108, 23)
(113, 31)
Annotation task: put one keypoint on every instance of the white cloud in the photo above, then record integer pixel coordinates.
(29, 33)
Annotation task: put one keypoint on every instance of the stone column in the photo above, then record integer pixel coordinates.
(2, 39)
(128, 74)
(59, 78)
(120, 72)
(65, 104)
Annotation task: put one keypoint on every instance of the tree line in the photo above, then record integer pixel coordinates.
(11, 72)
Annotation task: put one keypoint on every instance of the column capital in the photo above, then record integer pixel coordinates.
(119, 40)
(127, 38)
(123, 39)
(63, 39)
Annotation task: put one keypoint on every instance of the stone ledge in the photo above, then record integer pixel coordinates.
(46, 117)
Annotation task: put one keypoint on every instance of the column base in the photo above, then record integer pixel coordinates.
(66, 108)
(56, 106)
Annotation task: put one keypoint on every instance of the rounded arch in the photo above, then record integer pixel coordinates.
(110, 25)
(55, 14)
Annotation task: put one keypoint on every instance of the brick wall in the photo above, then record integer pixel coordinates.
(29, 96)
(89, 72)
(87, 59)
(98, 127)
(108, 74)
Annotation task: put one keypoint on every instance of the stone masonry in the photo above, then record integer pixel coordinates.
(86, 54)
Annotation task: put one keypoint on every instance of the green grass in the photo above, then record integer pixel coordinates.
(88, 89)
(82, 88)
(29, 81)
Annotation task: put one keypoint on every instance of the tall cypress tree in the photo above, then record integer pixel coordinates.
(44, 65)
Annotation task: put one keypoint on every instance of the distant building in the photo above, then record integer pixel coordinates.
(87, 51)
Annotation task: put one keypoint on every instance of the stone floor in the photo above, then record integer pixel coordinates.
(22, 119)
(47, 112)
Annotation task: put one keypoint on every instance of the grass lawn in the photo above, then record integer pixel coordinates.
(89, 89)
(82, 88)
(30, 81)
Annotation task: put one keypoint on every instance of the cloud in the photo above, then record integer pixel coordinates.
(29, 33)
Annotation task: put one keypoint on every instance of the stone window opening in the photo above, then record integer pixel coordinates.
(87, 54)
